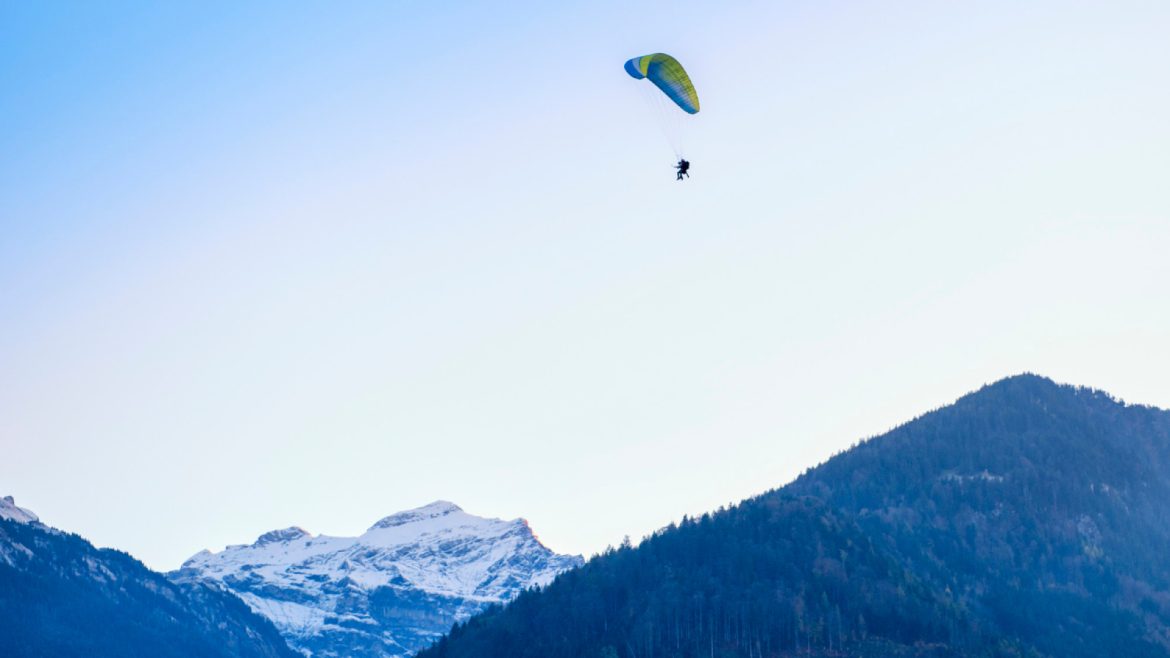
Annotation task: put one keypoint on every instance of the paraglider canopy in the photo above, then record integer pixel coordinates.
(669, 76)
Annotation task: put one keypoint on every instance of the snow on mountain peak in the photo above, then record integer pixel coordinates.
(434, 510)
(281, 536)
(9, 511)
(390, 591)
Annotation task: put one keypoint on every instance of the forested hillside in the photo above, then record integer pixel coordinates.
(1027, 519)
(61, 597)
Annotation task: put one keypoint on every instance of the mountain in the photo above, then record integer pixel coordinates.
(10, 512)
(1043, 510)
(391, 591)
(1028, 519)
(61, 597)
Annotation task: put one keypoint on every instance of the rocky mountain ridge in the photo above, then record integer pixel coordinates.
(388, 592)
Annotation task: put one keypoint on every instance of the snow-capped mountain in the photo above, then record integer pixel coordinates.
(389, 592)
(9, 511)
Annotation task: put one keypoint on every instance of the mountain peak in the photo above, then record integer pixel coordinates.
(1028, 391)
(389, 592)
(62, 596)
(282, 536)
(1033, 384)
(10, 512)
(1027, 379)
(433, 510)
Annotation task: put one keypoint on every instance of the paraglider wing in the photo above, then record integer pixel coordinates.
(669, 76)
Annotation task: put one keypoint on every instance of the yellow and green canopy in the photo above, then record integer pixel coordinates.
(669, 76)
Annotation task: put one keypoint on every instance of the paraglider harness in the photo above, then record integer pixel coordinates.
(682, 167)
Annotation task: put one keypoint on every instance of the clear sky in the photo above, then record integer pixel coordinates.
(266, 264)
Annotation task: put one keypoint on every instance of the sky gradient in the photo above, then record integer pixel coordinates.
(278, 264)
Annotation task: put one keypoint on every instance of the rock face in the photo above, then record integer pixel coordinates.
(60, 596)
(10, 512)
(389, 592)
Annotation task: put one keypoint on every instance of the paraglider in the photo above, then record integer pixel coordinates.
(674, 92)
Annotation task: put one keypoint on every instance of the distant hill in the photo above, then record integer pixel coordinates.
(391, 591)
(61, 597)
(1027, 519)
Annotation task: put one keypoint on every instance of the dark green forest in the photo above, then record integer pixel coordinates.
(1027, 519)
(60, 596)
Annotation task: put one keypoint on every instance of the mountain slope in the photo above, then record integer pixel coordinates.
(1045, 510)
(389, 592)
(1027, 519)
(767, 576)
(60, 596)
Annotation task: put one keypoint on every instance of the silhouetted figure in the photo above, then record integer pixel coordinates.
(682, 167)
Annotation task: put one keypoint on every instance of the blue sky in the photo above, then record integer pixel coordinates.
(311, 264)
